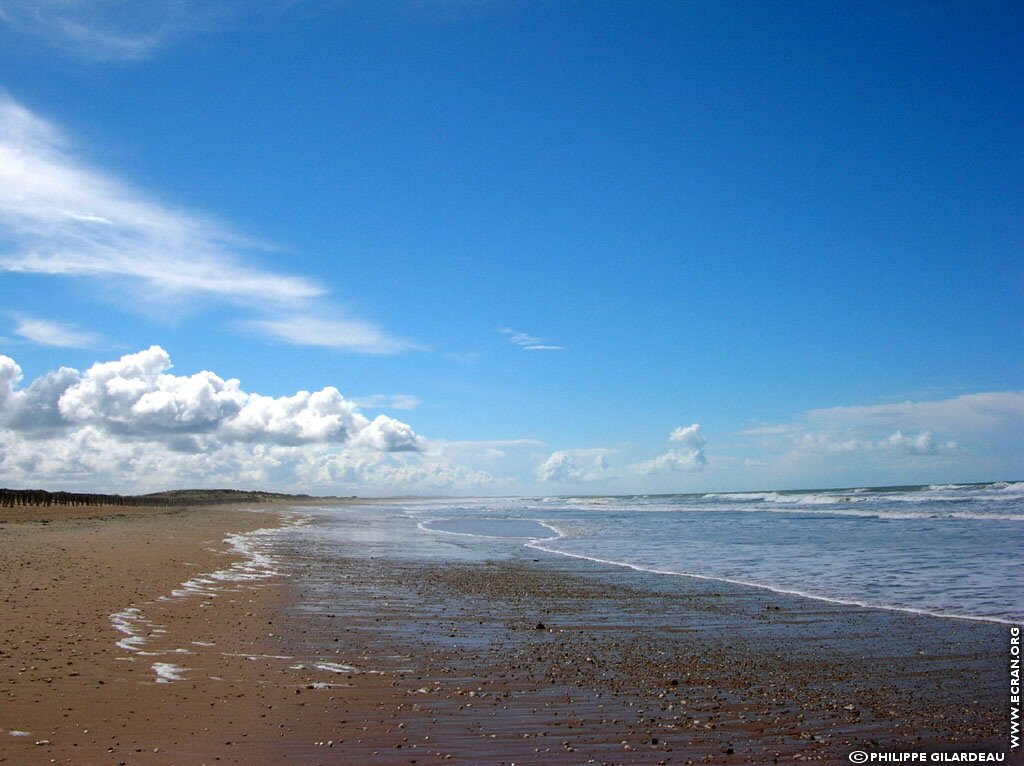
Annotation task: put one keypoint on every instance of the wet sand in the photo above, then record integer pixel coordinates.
(533, 659)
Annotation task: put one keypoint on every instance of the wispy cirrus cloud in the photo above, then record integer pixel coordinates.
(60, 217)
(348, 334)
(45, 332)
(110, 30)
(487, 451)
(388, 402)
(528, 342)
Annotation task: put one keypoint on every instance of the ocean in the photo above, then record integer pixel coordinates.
(948, 550)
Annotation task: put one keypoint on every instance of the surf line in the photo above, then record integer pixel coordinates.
(782, 591)
(424, 526)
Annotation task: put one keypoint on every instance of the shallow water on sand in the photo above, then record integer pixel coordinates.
(951, 550)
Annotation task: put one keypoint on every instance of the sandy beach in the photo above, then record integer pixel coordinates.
(106, 658)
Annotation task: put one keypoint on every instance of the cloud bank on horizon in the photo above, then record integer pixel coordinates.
(134, 424)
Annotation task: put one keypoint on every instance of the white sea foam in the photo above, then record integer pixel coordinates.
(591, 502)
(256, 656)
(513, 529)
(335, 667)
(933, 493)
(998, 487)
(1014, 487)
(877, 513)
(808, 499)
(132, 622)
(166, 672)
(257, 564)
(340, 667)
(935, 502)
(738, 496)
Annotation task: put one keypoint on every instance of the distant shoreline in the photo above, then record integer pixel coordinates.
(10, 498)
(44, 507)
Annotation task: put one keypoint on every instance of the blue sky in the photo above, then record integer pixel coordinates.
(544, 247)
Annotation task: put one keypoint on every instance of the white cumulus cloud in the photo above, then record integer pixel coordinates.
(688, 457)
(578, 465)
(921, 444)
(136, 396)
(559, 467)
(690, 436)
(132, 424)
(389, 435)
(318, 416)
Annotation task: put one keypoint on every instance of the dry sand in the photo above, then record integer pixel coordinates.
(80, 698)
(529, 660)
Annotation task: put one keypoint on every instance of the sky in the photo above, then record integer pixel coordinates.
(510, 246)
